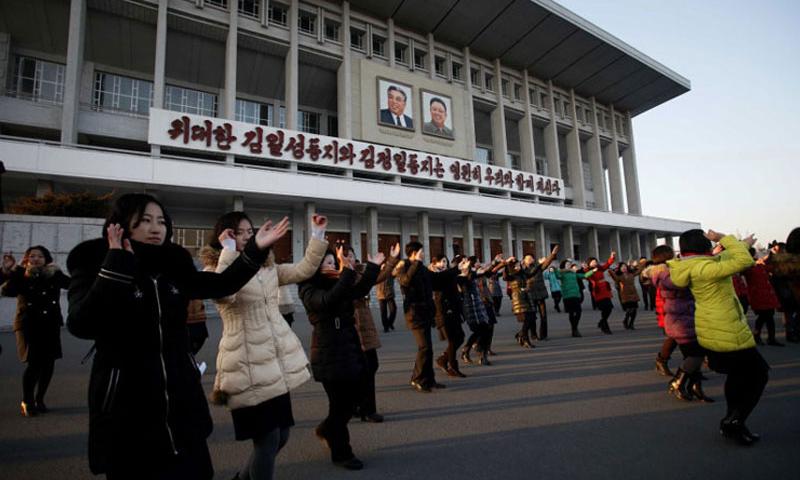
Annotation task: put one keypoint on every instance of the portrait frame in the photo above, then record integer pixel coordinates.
(383, 111)
(428, 127)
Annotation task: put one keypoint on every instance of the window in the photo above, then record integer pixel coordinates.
(38, 80)
(533, 97)
(253, 112)
(567, 108)
(114, 92)
(333, 126)
(512, 160)
(278, 14)
(517, 91)
(488, 82)
(419, 59)
(190, 101)
(378, 46)
(308, 122)
(544, 101)
(249, 8)
(440, 64)
(307, 22)
(504, 87)
(456, 69)
(218, 3)
(541, 166)
(474, 76)
(483, 155)
(401, 53)
(587, 177)
(282, 117)
(357, 39)
(332, 30)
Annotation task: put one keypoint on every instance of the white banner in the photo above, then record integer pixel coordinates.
(220, 136)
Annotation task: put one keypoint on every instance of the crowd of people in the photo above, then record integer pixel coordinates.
(134, 293)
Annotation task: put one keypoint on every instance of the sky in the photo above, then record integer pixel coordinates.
(727, 153)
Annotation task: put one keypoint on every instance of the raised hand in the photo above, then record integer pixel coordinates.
(8, 262)
(268, 234)
(226, 234)
(558, 247)
(613, 254)
(344, 262)
(319, 221)
(115, 240)
(714, 236)
(395, 250)
(377, 259)
(749, 240)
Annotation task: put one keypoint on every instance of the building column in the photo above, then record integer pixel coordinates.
(517, 240)
(356, 226)
(631, 173)
(448, 239)
(292, 68)
(507, 232)
(372, 231)
(625, 247)
(486, 242)
(72, 76)
(498, 118)
(568, 241)
(469, 118)
(652, 240)
(540, 237)
(468, 237)
(424, 232)
(636, 245)
(231, 51)
(593, 244)
(5, 54)
(299, 221)
(344, 89)
(405, 235)
(574, 160)
(614, 242)
(159, 82)
(390, 42)
(551, 138)
(527, 150)
(611, 154)
(595, 152)
(237, 203)
(310, 211)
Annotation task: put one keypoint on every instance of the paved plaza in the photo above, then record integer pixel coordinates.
(591, 407)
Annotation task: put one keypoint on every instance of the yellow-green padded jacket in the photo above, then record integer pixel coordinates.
(719, 320)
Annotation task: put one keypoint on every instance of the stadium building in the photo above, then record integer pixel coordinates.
(474, 126)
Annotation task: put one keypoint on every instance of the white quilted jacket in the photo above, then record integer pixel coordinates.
(260, 357)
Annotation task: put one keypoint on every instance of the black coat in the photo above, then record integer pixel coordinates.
(447, 300)
(145, 397)
(417, 284)
(336, 353)
(38, 320)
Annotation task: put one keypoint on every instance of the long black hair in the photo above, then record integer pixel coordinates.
(128, 210)
(48, 257)
(229, 220)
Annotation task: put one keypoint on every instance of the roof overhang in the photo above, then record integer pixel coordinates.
(546, 39)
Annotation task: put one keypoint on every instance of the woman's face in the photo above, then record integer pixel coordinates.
(351, 257)
(36, 258)
(152, 227)
(243, 233)
(623, 268)
(593, 263)
(328, 264)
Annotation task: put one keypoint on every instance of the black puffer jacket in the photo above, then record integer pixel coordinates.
(447, 301)
(145, 397)
(336, 353)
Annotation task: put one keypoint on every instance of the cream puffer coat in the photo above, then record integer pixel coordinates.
(259, 357)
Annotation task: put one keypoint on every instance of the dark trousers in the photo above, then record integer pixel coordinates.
(540, 308)
(192, 461)
(455, 337)
(366, 404)
(527, 325)
(765, 317)
(498, 302)
(388, 313)
(605, 307)
(481, 335)
(747, 373)
(423, 366)
(631, 309)
(342, 397)
(557, 301)
(573, 308)
(645, 296)
(36, 379)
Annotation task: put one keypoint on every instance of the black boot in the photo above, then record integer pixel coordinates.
(679, 386)
(484, 359)
(735, 429)
(662, 367)
(695, 387)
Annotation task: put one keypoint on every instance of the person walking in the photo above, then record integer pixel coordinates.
(148, 414)
(260, 359)
(337, 360)
(37, 283)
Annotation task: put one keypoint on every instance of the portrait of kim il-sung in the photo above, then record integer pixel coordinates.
(437, 116)
(395, 105)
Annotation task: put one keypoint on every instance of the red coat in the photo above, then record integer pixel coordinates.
(601, 289)
(659, 308)
(759, 289)
(739, 285)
